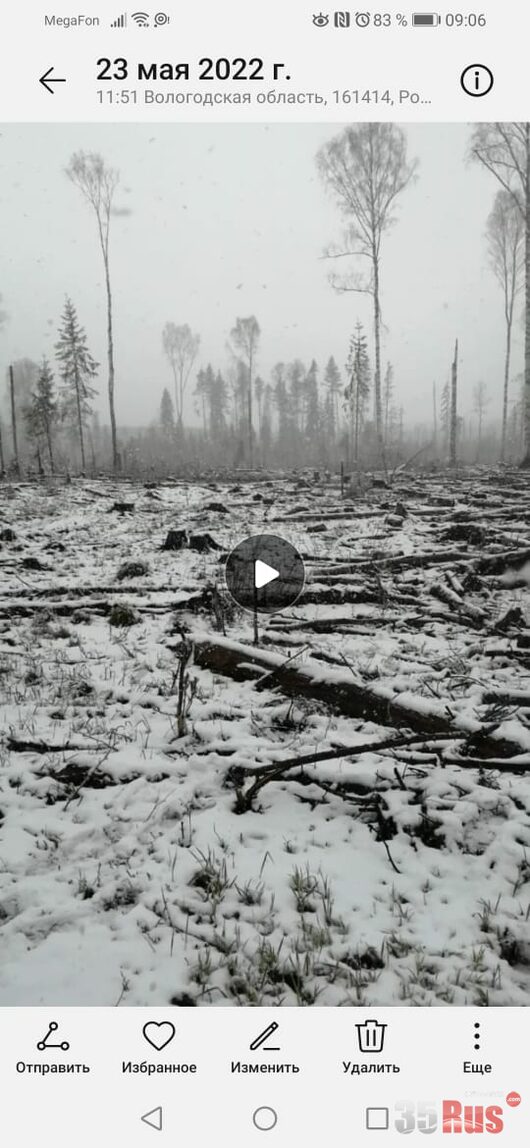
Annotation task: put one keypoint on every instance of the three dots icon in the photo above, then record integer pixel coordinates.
(476, 1036)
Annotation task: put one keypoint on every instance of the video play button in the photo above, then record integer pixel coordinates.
(265, 573)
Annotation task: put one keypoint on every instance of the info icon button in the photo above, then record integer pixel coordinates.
(477, 80)
(265, 573)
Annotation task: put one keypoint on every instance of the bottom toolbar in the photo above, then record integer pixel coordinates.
(239, 1074)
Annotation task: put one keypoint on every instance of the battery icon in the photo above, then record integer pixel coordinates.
(425, 19)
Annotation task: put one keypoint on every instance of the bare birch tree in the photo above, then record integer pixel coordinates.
(480, 402)
(366, 168)
(504, 150)
(97, 184)
(505, 235)
(181, 347)
(245, 339)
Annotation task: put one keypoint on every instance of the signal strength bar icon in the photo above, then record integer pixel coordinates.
(121, 22)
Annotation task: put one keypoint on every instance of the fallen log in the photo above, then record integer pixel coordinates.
(339, 624)
(341, 692)
(279, 766)
(363, 624)
(268, 772)
(399, 561)
(499, 563)
(455, 601)
(322, 512)
(322, 595)
(24, 745)
(81, 591)
(25, 607)
(276, 771)
(519, 764)
(507, 697)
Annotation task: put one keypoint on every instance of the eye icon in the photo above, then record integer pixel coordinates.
(321, 20)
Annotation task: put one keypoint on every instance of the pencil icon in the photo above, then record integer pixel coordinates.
(263, 1036)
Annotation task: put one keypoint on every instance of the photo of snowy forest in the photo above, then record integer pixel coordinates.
(321, 333)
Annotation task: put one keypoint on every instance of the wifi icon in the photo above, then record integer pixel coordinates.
(141, 18)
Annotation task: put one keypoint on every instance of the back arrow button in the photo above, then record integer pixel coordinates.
(48, 79)
(153, 1119)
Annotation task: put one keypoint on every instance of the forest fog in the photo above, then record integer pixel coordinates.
(246, 327)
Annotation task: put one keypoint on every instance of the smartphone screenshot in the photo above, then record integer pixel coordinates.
(264, 574)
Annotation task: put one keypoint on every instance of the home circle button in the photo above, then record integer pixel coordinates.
(265, 1119)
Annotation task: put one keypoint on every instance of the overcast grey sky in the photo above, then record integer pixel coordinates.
(232, 220)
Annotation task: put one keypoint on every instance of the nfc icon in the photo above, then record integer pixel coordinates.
(341, 19)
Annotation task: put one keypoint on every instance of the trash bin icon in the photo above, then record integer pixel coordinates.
(371, 1036)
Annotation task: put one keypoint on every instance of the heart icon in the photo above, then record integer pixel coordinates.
(159, 1034)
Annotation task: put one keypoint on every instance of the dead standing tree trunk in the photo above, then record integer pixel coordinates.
(453, 420)
(14, 419)
(110, 355)
(80, 419)
(378, 405)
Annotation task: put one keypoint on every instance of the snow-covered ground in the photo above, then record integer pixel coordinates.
(129, 870)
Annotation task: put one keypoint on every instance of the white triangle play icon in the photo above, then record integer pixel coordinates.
(263, 574)
(153, 1119)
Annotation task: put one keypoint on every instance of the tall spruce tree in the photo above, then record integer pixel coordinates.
(312, 420)
(333, 388)
(41, 414)
(282, 402)
(167, 415)
(218, 399)
(77, 368)
(358, 389)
